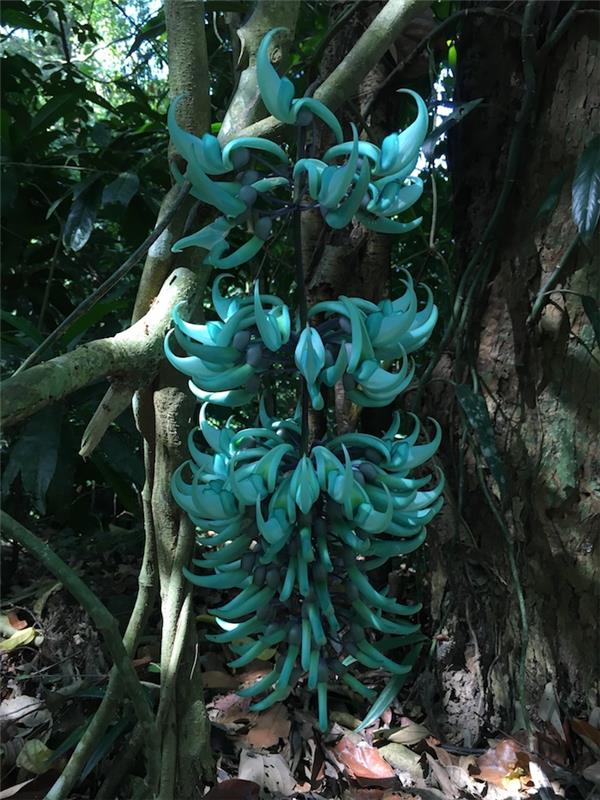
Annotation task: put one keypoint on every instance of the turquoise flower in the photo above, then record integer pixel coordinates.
(278, 93)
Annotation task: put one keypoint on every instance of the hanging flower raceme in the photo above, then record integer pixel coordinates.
(297, 535)
(372, 185)
(224, 360)
(357, 337)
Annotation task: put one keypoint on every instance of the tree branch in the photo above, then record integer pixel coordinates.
(246, 105)
(137, 351)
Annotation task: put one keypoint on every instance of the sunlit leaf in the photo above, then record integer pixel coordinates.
(586, 190)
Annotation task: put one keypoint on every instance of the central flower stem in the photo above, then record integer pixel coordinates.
(301, 289)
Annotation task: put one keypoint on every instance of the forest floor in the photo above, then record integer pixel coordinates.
(54, 673)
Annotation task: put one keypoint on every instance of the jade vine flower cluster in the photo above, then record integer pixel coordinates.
(371, 185)
(298, 534)
(297, 531)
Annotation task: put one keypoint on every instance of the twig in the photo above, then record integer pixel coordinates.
(108, 284)
(136, 351)
(147, 588)
(106, 624)
(437, 31)
(552, 280)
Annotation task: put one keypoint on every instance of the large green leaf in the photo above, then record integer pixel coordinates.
(586, 190)
(17, 15)
(80, 222)
(34, 456)
(53, 110)
(477, 415)
(122, 190)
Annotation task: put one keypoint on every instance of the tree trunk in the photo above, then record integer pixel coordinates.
(540, 381)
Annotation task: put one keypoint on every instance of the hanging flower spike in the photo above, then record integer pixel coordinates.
(225, 359)
(278, 93)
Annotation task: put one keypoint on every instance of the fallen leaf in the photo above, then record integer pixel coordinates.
(41, 598)
(11, 791)
(442, 777)
(18, 639)
(35, 757)
(215, 679)
(499, 764)
(409, 734)
(269, 728)
(17, 624)
(269, 771)
(23, 710)
(234, 789)
(403, 759)
(362, 761)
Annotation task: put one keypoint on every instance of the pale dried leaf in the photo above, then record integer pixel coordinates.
(42, 595)
(592, 773)
(35, 757)
(409, 734)
(403, 759)
(216, 679)
(589, 734)
(442, 777)
(11, 791)
(269, 771)
(18, 639)
(270, 726)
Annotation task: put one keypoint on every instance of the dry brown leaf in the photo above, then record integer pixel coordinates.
(500, 764)
(363, 762)
(269, 727)
(15, 622)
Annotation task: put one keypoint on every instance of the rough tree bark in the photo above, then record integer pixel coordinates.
(541, 385)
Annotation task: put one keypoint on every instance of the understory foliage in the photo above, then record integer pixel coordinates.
(296, 525)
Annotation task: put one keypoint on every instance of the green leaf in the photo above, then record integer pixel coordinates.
(122, 190)
(18, 17)
(21, 324)
(455, 116)
(154, 27)
(586, 190)
(51, 111)
(80, 222)
(590, 306)
(34, 456)
(478, 418)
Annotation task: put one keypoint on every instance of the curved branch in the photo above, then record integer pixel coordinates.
(136, 351)
(341, 85)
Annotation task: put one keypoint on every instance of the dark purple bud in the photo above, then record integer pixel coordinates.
(305, 117)
(240, 157)
(243, 217)
(329, 357)
(295, 634)
(247, 562)
(372, 455)
(345, 325)
(248, 177)
(273, 578)
(358, 476)
(241, 340)
(319, 572)
(252, 384)
(248, 195)
(368, 471)
(259, 575)
(320, 527)
(254, 354)
(323, 672)
(357, 632)
(262, 228)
